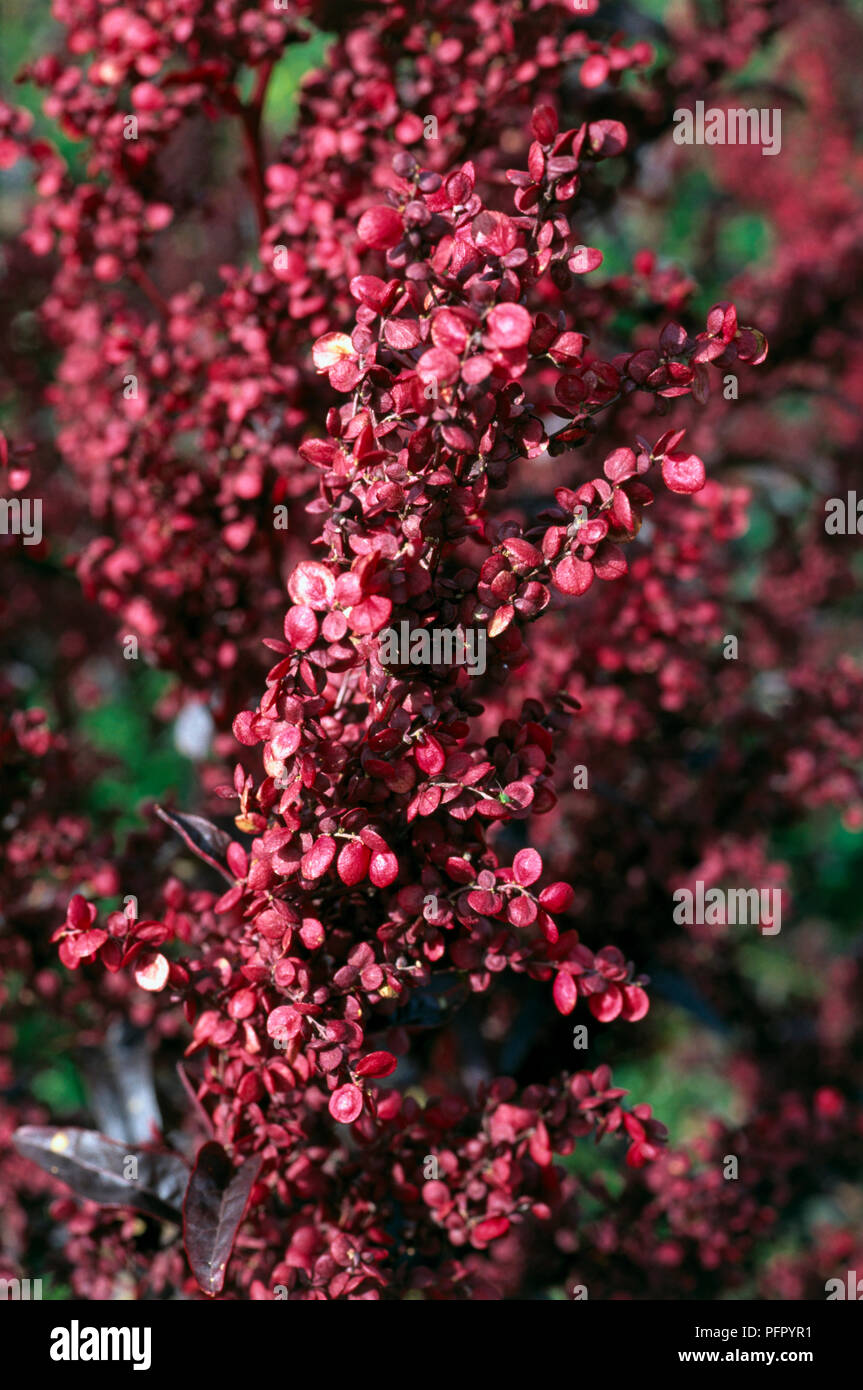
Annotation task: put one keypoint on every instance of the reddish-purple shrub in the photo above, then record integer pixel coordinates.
(402, 339)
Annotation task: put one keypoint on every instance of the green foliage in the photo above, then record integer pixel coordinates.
(148, 767)
(283, 93)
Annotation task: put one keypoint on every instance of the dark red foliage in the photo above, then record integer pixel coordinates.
(405, 341)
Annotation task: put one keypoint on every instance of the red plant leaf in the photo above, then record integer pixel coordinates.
(312, 585)
(509, 325)
(376, 1065)
(151, 971)
(380, 228)
(319, 858)
(619, 465)
(439, 365)
(346, 1104)
(384, 868)
(573, 576)
(683, 472)
(491, 1229)
(353, 862)
(332, 349)
(635, 1003)
(556, 897)
(606, 1006)
(526, 867)
(584, 259)
(565, 992)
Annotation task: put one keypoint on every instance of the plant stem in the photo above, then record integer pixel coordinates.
(250, 115)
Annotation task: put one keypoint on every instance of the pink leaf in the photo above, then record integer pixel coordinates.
(509, 325)
(301, 627)
(526, 867)
(312, 585)
(606, 1006)
(635, 1003)
(380, 228)
(384, 868)
(584, 259)
(439, 366)
(594, 71)
(346, 1104)
(564, 992)
(353, 862)
(491, 1229)
(573, 576)
(151, 971)
(319, 858)
(376, 1065)
(556, 897)
(331, 349)
(683, 472)
(619, 465)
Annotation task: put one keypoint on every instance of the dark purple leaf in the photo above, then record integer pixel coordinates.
(215, 1202)
(119, 1080)
(94, 1166)
(203, 838)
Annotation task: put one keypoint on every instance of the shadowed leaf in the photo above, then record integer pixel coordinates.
(119, 1079)
(215, 1202)
(93, 1166)
(202, 837)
